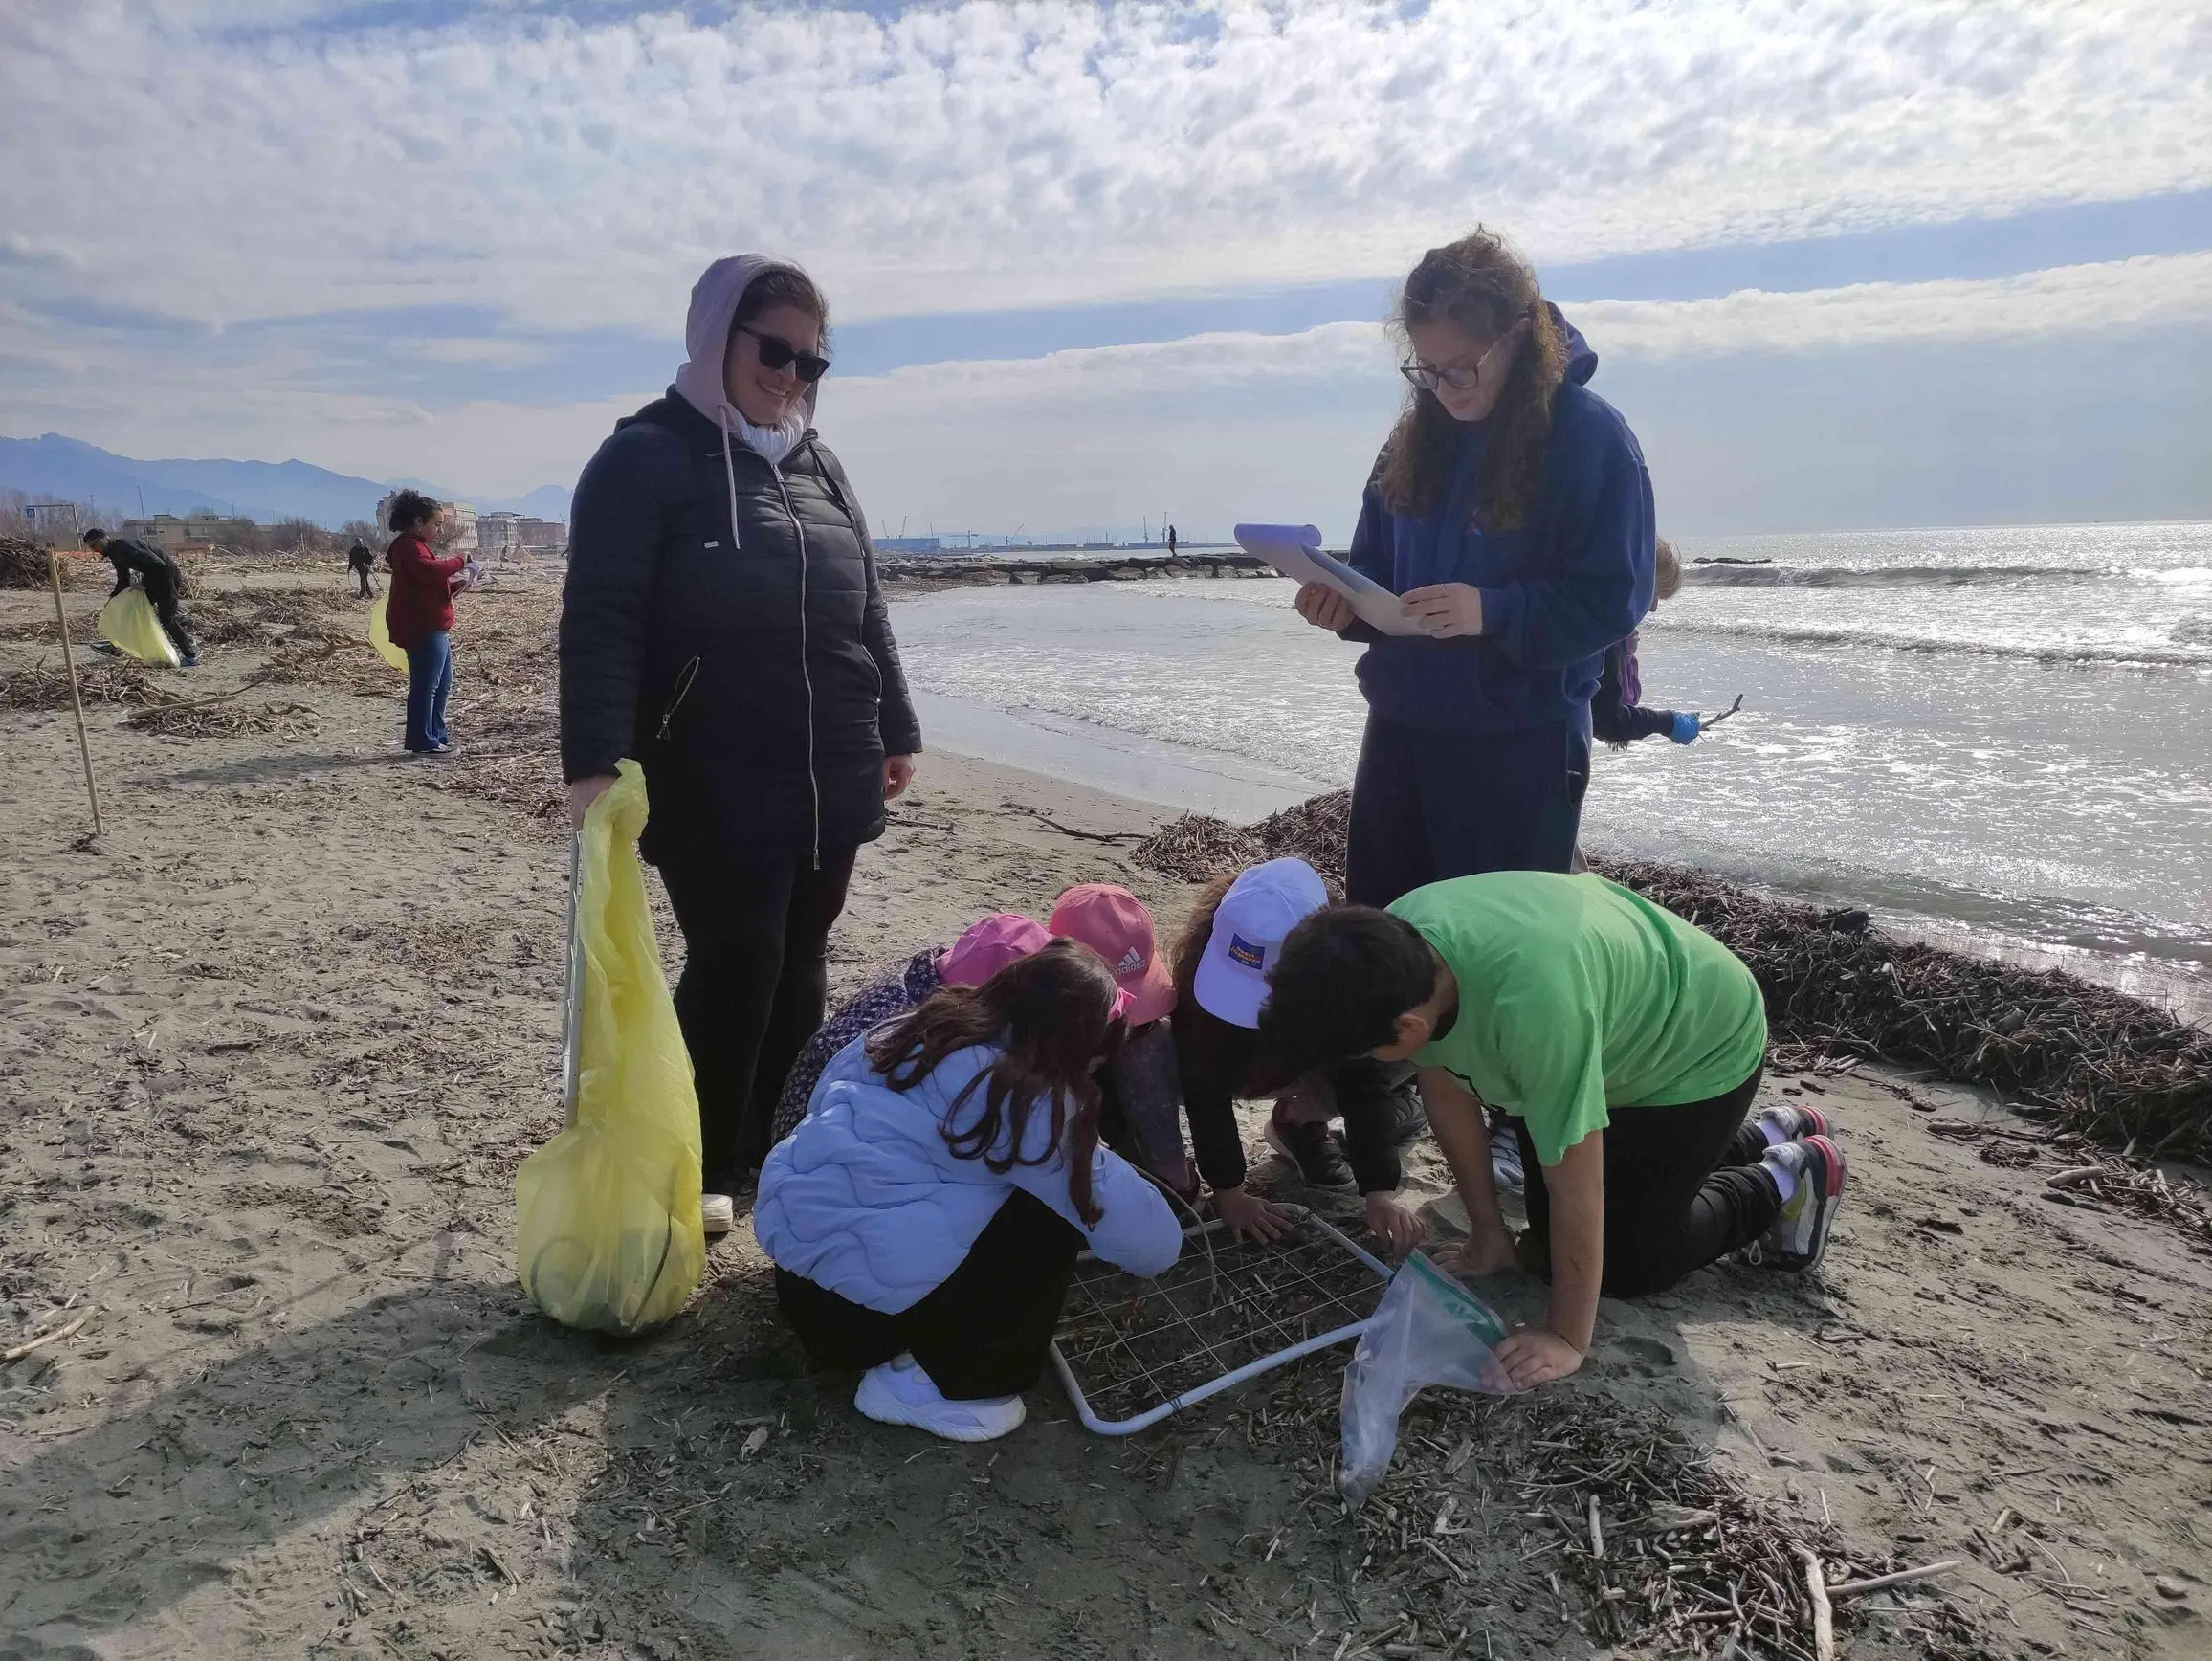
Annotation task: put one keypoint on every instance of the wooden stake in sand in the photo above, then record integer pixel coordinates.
(76, 702)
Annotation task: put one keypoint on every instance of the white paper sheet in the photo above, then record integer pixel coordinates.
(1295, 551)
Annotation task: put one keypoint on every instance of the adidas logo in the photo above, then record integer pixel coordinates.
(1131, 962)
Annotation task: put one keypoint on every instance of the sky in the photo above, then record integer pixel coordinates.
(1844, 263)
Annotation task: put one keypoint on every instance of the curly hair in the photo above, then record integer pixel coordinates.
(1482, 285)
(411, 510)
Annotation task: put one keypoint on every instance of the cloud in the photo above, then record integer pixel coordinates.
(2127, 293)
(575, 171)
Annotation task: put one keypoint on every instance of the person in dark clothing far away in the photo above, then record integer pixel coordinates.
(158, 574)
(1510, 511)
(419, 616)
(358, 560)
(1615, 715)
(1171, 542)
(722, 625)
(1626, 1045)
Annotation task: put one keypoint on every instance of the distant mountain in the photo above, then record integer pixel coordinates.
(70, 470)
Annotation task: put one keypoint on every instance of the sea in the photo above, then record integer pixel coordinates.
(1998, 739)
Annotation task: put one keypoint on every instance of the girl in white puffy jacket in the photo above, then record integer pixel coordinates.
(925, 1216)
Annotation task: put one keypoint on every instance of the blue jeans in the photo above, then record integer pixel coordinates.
(430, 682)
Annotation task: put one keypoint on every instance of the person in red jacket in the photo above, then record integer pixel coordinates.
(420, 618)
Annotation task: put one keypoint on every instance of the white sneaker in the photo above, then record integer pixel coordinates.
(718, 1214)
(898, 1392)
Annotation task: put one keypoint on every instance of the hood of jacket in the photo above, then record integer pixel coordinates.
(1581, 361)
(706, 335)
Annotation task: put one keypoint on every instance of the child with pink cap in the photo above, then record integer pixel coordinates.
(987, 946)
(1141, 1118)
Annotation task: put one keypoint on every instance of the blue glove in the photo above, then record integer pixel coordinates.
(1686, 729)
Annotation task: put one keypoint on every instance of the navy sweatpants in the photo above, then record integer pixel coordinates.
(1429, 806)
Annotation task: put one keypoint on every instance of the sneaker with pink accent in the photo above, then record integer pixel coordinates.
(1798, 1239)
(898, 1392)
(1795, 1120)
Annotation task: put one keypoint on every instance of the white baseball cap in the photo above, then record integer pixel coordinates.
(1260, 908)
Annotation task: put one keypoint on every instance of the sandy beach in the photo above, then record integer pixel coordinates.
(277, 1041)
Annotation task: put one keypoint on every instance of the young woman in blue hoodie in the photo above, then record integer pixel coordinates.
(927, 1216)
(1510, 511)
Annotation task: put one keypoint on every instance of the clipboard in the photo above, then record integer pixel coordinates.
(1295, 551)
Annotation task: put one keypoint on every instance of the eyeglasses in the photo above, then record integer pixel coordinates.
(778, 353)
(1428, 378)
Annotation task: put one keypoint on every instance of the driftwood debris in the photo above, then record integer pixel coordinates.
(2080, 1057)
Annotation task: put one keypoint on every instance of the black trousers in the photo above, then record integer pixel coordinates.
(361, 574)
(1429, 806)
(982, 1333)
(161, 593)
(1683, 1189)
(755, 982)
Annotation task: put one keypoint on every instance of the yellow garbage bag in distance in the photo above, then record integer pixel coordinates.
(607, 1214)
(379, 633)
(129, 624)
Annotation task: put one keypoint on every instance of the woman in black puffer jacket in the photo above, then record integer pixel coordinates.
(722, 625)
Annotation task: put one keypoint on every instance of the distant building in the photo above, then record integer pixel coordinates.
(519, 533)
(461, 517)
(497, 532)
(541, 535)
(909, 546)
(174, 535)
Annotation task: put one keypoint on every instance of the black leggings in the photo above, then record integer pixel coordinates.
(1428, 806)
(755, 982)
(1683, 1189)
(982, 1333)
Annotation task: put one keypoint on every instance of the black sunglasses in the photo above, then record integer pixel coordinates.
(778, 353)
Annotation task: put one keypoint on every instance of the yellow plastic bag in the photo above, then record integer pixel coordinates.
(129, 624)
(607, 1214)
(380, 634)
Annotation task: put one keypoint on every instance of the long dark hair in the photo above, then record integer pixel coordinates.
(1051, 1016)
(1481, 284)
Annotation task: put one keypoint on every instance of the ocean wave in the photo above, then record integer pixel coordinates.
(2182, 655)
(1783, 576)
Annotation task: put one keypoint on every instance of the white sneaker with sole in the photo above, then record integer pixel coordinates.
(718, 1214)
(898, 1392)
(1798, 1238)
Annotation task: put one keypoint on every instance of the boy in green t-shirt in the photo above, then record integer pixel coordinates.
(1626, 1044)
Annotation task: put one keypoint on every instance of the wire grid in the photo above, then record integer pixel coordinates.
(1132, 1351)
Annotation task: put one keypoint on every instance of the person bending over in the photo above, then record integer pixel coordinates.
(158, 574)
(358, 560)
(1234, 933)
(1626, 1044)
(926, 1217)
(1615, 717)
(1139, 1117)
(986, 948)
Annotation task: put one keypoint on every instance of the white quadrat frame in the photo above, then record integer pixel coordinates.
(1087, 1307)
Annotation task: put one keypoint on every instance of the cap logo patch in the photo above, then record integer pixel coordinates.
(1243, 951)
(1132, 961)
